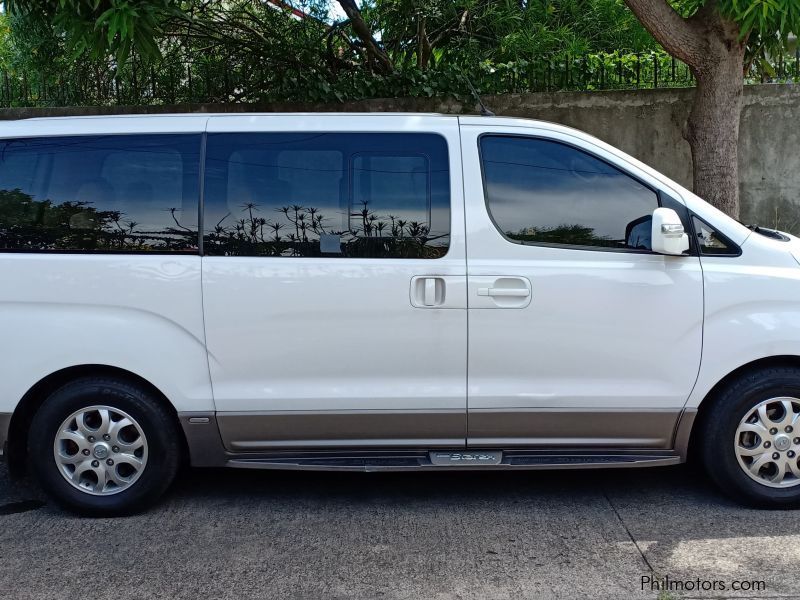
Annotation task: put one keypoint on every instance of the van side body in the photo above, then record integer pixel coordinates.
(377, 292)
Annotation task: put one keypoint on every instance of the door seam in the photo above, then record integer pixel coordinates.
(466, 281)
(201, 232)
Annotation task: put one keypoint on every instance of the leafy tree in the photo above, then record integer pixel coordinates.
(391, 47)
(718, 39)
(247, 40)
(98, 27)
(375, 52)
(470, 31)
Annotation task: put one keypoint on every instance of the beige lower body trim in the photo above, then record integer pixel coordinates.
(509, 428)
(578, 428)
(252, 432)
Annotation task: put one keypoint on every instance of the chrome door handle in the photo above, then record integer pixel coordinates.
(504, 292)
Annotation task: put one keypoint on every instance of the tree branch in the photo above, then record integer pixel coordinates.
(363, 32)
(682, 38)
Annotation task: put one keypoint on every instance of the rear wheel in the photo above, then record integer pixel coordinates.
(751, 438)
(104, 447)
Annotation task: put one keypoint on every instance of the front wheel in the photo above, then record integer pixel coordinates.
(104, 447)
(750, 438)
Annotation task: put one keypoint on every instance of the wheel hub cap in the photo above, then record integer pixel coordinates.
(767, 445)
(782, 443)
(100, 450)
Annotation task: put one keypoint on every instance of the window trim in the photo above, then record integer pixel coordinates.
(574, 146)
(65, 251)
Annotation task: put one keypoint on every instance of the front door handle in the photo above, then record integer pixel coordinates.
(499, 291)
(504, 292)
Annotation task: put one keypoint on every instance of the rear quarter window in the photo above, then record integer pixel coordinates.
(123, 193)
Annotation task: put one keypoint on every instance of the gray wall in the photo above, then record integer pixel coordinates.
(644, 123)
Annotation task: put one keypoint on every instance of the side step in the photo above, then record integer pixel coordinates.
(454, 460)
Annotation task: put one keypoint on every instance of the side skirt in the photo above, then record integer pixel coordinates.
(454, 460)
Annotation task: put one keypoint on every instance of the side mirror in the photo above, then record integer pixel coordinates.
(668, 236)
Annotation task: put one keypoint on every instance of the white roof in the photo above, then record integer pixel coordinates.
(196, 122)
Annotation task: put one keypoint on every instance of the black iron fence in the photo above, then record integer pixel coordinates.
(589, 72)
(213, 79)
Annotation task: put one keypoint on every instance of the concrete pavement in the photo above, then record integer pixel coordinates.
(433, 536)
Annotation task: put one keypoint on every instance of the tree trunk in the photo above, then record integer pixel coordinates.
(714, 49)
(423, 44)
(713, 133)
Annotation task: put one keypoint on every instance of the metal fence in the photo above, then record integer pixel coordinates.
(590, 72)
(181, 80)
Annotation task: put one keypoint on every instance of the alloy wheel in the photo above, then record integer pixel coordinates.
(767, 442)
(100, 450)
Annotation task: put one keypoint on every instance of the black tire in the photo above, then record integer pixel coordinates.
(718, 434)
(160, 430)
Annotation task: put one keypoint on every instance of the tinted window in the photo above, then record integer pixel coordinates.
(327, 194)
(124, 193)
(540, 191)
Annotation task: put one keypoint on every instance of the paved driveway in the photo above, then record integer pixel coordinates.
(429, 536)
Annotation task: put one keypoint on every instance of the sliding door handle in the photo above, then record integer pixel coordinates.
(428, 291)
(504, 292)
(429, 296)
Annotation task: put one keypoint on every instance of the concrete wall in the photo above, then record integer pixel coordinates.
(644, 123)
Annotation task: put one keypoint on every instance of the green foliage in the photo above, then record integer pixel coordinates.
(469, 31)
(774, 19)
(6, 47)
(766, 25)
(168, 51)
(102, 27)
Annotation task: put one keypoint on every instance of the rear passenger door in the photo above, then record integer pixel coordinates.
(334, 281)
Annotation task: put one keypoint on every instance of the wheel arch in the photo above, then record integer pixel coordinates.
(783, 360)
(26, 408)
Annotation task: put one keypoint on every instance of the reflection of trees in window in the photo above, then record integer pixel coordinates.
(298, 230)
(28, 224)
(573, 235)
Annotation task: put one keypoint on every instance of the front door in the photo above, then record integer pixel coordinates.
(579, 335)
(334, 281)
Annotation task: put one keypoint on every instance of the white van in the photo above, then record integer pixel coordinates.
(378, 292)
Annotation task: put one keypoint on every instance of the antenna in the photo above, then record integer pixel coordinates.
(485, 112)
